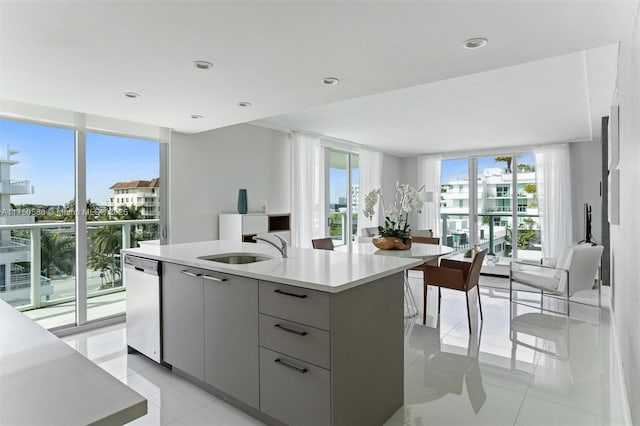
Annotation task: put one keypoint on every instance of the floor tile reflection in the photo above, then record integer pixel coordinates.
(520, 366)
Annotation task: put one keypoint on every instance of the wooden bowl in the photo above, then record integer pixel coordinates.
(391, 243)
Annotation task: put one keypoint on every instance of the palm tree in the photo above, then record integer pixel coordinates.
(506, 160)
(132, 213)
(531, 188)
(57, 254)
(107, 243)
(99, 262)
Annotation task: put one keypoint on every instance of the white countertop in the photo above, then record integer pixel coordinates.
(324, 270)
(417, 250)
(43, 381)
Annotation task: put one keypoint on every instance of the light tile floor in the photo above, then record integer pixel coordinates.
(556, 371)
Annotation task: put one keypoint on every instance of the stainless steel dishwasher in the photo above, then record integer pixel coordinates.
(142, 280)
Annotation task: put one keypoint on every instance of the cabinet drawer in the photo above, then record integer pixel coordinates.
(294, 392)
(300, 341)
(309, 307)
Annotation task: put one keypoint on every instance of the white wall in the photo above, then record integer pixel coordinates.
(391, 175)
(207, 169)
(409, 166)
(586, 174)
(625, 237)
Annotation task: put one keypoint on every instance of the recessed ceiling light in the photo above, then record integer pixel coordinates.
(197, 116)
(330, 81)
(131, 95)
(244, 104)
(475, 43)
(203, 65)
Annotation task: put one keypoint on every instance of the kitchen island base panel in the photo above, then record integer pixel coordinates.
(367, 340)
(253, 412)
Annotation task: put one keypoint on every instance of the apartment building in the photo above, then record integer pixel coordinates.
(141, 194)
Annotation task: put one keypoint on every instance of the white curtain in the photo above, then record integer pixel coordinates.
(553, 176)
(370, 163)
(429, 167)
(307, 190)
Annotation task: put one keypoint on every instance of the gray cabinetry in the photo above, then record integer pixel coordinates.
(302, 305)
(231, 335)
(287, 353)
(321, 352)
(183, 319)
(293, 391)
(210, 329)
(297, 340)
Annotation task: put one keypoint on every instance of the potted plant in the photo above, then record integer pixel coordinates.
(396, 232)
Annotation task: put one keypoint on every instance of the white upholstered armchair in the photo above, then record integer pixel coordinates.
(574, 270)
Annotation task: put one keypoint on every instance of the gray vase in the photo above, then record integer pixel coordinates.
(242, 201)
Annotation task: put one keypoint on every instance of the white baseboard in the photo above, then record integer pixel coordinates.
(614, 337)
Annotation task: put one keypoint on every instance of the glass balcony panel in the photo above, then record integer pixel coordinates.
(134, 172)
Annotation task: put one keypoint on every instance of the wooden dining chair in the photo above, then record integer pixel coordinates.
(455, 275)
(322, 243)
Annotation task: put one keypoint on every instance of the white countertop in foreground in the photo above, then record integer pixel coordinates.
(330, 271)
(43, 381)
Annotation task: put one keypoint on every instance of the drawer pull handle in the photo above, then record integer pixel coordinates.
(293, 367)
(210, 278)
(299, 296)
(189, 273)
(291, 330)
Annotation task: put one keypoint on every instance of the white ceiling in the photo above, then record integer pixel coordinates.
(82, 56)
(552, 100)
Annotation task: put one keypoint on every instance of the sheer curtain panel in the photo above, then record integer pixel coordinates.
(429, 167)
(370, 178)
(553, 174)
(308, 192)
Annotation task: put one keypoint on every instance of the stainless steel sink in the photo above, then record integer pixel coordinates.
(236, 258)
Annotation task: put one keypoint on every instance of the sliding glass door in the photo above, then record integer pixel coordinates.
(343, 184)
(123, 189)
(503, 197)
(454, 204)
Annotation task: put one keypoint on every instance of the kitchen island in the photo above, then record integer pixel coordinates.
(315, 338)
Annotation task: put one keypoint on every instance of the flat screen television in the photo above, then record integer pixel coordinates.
(587, 225)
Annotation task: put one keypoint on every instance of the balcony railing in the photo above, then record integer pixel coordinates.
(45, 274)
(15, 187)
(492, 236)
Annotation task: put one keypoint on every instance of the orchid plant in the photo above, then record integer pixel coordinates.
(406, 200)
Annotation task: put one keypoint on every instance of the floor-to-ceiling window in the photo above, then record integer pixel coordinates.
(37, 243)
(506, 221)
(123, 187)
(38, 218)
(454, 204)
(342, 194)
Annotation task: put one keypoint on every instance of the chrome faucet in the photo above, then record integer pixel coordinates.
(282, 249)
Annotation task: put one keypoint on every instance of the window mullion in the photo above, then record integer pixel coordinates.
(81, 226)
(514, 205)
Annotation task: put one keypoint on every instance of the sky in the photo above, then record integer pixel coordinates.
(46, 158)
(338, 183)
(460, 167)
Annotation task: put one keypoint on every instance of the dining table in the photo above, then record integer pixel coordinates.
(426, 252)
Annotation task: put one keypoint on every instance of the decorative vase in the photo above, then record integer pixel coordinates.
(392, 243)
(242, 201)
